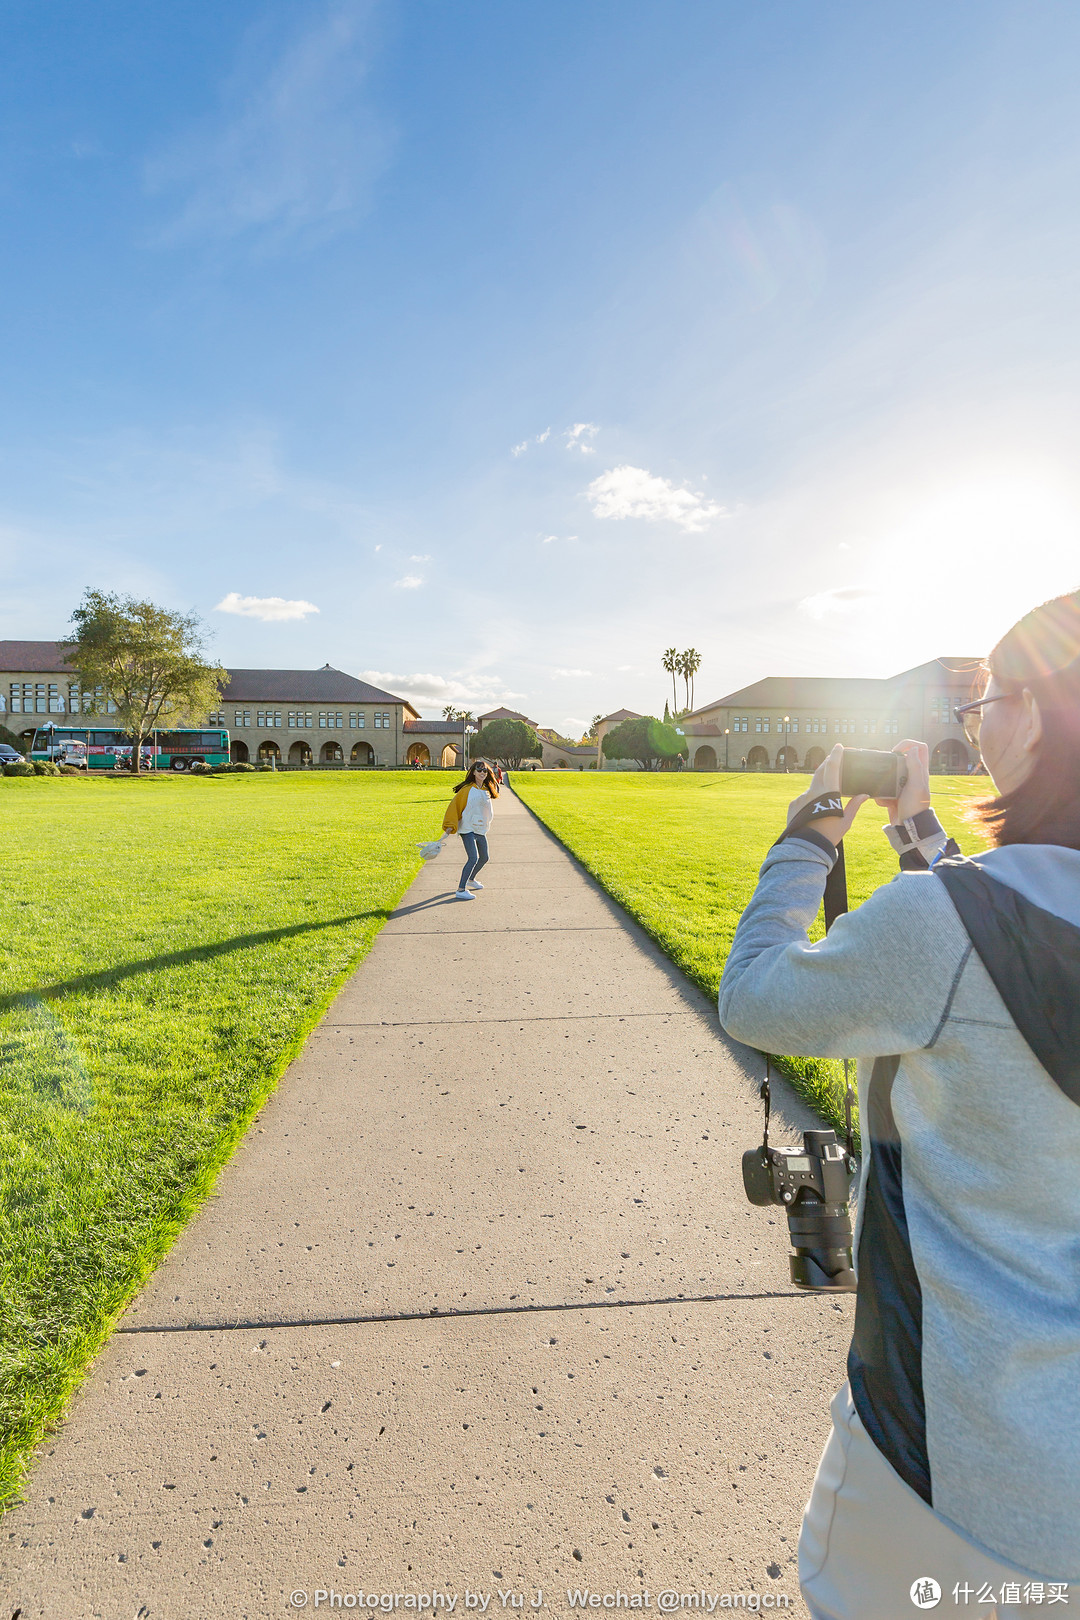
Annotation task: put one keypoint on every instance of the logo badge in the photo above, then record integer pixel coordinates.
(925, 1592)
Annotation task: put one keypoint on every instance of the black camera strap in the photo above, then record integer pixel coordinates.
(835, 902)
(835, 898)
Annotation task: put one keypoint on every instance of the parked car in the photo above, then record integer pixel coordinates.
(9, 755)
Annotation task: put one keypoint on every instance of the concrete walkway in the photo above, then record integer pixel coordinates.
(478, 1304)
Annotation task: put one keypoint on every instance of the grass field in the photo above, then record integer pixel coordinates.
(681, 854)
(166, 945)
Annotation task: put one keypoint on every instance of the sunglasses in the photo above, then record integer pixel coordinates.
(970, 714)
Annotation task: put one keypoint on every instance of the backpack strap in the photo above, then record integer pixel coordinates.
(1033, 958)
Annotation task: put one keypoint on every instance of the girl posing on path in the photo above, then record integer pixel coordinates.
(469, 813)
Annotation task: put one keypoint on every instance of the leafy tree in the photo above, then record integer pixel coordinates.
(508, 741)
(12, 741)
(590, 735)
(149, 661)
(646, 739)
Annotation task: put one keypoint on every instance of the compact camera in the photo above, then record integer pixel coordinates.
(813, 1186)
(872, 771)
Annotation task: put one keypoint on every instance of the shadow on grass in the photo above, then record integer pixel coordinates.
(106, 978)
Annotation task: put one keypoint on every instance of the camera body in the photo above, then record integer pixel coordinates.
(813, 1186)
(872, 771)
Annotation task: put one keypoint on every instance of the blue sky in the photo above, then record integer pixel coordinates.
(523, 341)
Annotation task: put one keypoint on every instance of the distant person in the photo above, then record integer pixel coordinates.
(955, 1448)
(469, 814)
(742, 765)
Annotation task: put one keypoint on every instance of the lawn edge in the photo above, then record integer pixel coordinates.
(811, 1078)
(19, 1447)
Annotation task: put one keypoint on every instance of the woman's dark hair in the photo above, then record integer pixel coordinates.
(1041, 654)
(490, 785)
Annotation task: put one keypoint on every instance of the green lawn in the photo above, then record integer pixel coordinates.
(166, 945)
(681, 854)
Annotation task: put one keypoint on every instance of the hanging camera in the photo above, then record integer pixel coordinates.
(812, 1184)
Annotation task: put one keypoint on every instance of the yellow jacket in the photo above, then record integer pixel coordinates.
(456, 808)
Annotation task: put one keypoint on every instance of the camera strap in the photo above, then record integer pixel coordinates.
(766, 1097)
(835, 901)
(835, 898)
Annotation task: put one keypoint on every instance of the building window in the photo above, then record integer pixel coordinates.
(891, 728)
(869, 727)
(357, 722)
(217, 718)
(266, 718)
(331, 722)
(794, 727)
(299, 720)
(242, 717)
(765, 723)
(383, 720)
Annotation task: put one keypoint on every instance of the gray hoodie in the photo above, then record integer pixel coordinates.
(965, 1361)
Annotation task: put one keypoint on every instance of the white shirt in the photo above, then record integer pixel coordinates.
(479, 810)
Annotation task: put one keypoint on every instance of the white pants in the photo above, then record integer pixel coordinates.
(867, 1538)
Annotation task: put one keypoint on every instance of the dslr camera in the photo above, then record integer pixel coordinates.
(813, 1186)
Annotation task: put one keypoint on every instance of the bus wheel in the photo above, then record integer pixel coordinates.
(178, 765)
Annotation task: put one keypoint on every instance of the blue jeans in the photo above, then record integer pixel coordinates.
(476, 852)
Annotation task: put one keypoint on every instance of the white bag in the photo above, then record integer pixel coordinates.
(428, 852)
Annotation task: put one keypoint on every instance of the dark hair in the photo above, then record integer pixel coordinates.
(1041, 655)
(490, 786)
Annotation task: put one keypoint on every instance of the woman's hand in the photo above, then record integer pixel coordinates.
(826, 780)
(915, 793)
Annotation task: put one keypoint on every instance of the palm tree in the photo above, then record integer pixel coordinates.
(670, 661)
(691, 665)
(683, 669)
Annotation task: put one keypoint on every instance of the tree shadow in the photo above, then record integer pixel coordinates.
(106, 978)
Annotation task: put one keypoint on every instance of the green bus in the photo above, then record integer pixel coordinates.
(95, 748)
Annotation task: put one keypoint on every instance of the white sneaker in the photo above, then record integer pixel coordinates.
(463, 894)
(475, 883)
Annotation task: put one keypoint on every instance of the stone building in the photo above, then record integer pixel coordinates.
(792, 721)
(37, 686)
(294, 716)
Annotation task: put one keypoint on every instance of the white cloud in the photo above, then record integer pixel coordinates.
(631, 492)
(829, 604)
(294, 145)
(424, 558)
(540, 438)
(571, 727)
(409, 582)
(573, 674)
(464, 690)
(271, 609)
(578, 436)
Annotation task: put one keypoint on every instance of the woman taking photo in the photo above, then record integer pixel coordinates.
(469, 813)
(954, 1460)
